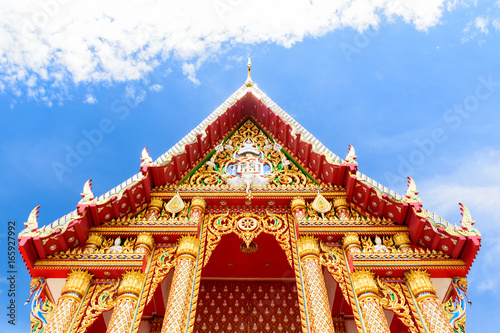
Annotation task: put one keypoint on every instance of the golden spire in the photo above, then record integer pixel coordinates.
(249, 81)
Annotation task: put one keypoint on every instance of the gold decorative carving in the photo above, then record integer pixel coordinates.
(298, 275)
(321, 205)
(402, 240)
(454, 309)
(102, 300)
(394, 300)
(351, 243)
(94, 240)
(77, 283)
(154, 209)
(188, 245)
(198, 203)
(297, 203)
(307, 246)
(332, 258)
(144, 243)
(211, 173)
(364, 282)
(175, 205)
(131, 283)
(341, 207)
(419, 282)
(247, 226)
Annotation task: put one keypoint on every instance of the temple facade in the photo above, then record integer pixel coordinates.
(249, 224)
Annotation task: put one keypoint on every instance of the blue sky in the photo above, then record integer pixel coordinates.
(414, 88)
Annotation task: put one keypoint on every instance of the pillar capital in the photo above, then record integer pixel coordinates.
(341, 207)
(77, 283)
(131, 283)
(298, 203)
(308, 246)
(340, 201)
(402, 240)
(188, 245)
(419, 282)
(93, 242)
(156, 202)
(364, 283)
(144, 243)
(199, 203)
(154, 208)
(351, 243)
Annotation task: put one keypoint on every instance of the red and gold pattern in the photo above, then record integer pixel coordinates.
(178, 300)
(317, 299)
(432, 309)
(128, 292)
(169, 198)
(179, 296)
(247, 306)
(73, 291)
(366, 290)
(121, 319)
(247, 226)
(61, 319)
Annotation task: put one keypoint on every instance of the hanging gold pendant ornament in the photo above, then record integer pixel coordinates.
(175, 205)
(321, 205)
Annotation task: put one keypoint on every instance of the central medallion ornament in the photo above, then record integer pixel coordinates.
(248, 224)
(248, 168)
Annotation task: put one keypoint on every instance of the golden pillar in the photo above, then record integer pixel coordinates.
(144, 244)
(180, 292)
(425, 294)
(351, 243)
(402, 241)
(317, 299)
(299, 209)
(75, 287)
(372, 311)
(342, 208)
(198, 206)
(93, 243)
(126, 301)
(154, 209)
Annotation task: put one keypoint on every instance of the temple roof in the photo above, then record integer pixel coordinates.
(249, 102)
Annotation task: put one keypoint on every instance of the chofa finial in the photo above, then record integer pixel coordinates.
(249, 81)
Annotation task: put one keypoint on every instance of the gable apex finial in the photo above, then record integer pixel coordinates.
(249, 81)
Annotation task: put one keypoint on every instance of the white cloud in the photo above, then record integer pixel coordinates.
(190, 71)
(57, 42)
(481, 23)
(89, 99)
(475, 183)
(156, 87)
(135, 96)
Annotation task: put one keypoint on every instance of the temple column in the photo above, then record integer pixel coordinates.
(351, 243)
(93, 243)
(126, 301)
(144, 244)
(342, 208)
(315, 290)
(431, 307)
(74, 289)
(180, 292)
(154, 209)
(402, 241)
(366, 290)
(197, 210)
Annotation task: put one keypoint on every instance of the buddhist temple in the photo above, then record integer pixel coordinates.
(249, 224)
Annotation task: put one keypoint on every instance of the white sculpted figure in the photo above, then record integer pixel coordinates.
(379, 247)
(248, 168)
(117, 247)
